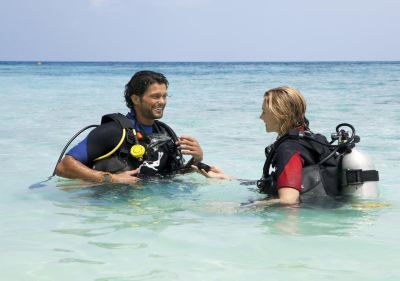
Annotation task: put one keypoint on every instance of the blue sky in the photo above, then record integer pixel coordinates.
(199, 30)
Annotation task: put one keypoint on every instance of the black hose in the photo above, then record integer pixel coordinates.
(320, 142)
(329, 155)
(68, 143)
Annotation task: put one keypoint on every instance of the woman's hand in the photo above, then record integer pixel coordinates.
(215, 172)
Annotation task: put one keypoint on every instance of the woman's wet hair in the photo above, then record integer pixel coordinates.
(288, 106)
(140, 82)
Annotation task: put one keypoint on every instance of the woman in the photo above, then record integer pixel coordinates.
(283, 112)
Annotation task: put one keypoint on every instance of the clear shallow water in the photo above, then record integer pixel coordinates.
(193, 228)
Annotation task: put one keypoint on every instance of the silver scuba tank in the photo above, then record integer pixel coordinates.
(359, 176)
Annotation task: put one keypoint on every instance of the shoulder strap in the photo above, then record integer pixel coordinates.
(270, 153)
(160, 126)
(316, 144)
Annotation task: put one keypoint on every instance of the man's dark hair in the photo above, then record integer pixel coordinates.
(140, 82)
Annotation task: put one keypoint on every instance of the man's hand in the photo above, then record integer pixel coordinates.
(190, 146)
(127, 177)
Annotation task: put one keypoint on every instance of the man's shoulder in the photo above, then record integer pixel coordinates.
(106, 130)
(123, 121)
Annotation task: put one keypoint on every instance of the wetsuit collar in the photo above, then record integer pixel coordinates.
(148, 130)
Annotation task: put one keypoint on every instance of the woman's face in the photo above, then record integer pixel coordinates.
(271, 123)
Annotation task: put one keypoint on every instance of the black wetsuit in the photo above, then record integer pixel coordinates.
(108, 135)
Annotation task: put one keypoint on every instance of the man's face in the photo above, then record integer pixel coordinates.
(151, 105)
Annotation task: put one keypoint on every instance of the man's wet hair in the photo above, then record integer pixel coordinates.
(140, 82)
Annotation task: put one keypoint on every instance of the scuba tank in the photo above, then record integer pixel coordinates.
(358, 163)
(357, 172)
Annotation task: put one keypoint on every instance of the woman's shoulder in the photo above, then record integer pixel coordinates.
(289, 145)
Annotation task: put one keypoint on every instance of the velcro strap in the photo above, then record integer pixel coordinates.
(359, 176)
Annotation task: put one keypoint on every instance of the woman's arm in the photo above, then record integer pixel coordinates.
(214, 172)
(288, 195)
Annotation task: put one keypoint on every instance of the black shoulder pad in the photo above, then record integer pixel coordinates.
(322, 149)
(118, 118)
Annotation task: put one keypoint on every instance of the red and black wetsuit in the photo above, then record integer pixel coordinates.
(289, 164)
(290, 155)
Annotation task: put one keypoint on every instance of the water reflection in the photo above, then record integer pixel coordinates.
(150, 275)
(337, 218)
(100, 210)
(140, 233)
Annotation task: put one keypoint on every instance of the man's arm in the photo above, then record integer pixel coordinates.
(73, 169)
(76, 164)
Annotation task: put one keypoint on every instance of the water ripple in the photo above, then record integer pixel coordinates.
(151, 275)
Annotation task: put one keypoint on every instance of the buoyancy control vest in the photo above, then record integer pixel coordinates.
(318, 179)
(158, 153)
(322, 172)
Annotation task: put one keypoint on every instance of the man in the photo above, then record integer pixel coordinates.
(124, 148)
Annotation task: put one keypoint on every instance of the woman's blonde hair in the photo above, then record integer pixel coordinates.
(288, 106)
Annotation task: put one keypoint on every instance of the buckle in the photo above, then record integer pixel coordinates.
(354, 176)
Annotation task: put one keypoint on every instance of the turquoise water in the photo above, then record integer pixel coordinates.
(193, 228)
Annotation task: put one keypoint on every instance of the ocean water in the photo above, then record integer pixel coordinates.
(192, 228)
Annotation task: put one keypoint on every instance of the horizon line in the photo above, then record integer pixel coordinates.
(187, 61)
